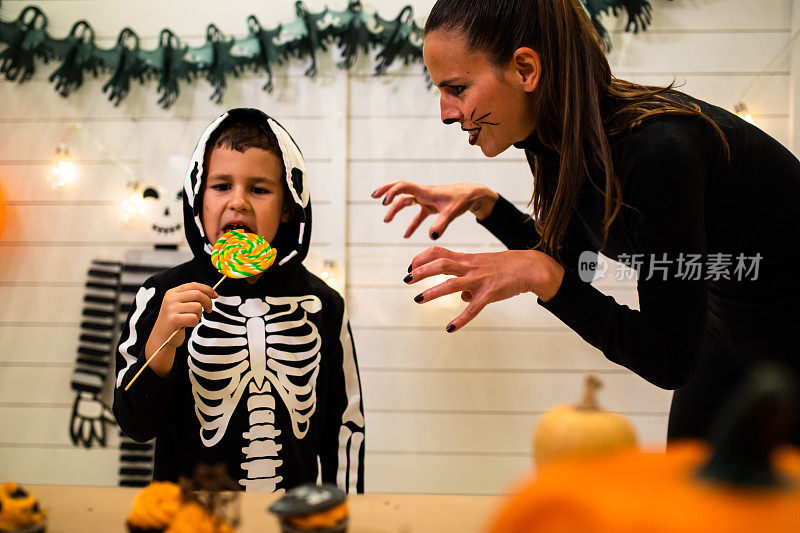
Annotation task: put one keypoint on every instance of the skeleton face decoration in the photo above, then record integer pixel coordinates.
(162, 198)
(163, 213)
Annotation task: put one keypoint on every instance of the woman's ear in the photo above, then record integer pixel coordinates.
(527, 68)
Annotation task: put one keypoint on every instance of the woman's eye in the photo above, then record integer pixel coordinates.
(260, 190)
(457, 89)
(221, 186)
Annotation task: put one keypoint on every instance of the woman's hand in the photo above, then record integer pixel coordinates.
(182, 307)
(485, 278)
(448, 201)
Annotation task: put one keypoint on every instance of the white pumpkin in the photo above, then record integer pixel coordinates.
(581, 429)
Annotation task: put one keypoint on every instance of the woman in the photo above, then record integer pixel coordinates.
(702, 200)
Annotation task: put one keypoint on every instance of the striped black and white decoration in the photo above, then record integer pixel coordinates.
(110, 291)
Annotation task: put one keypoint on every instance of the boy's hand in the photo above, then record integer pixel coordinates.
(181, 308)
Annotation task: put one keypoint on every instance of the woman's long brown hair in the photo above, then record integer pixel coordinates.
(576, 78)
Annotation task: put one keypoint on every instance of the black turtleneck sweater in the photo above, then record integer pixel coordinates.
(685, 199)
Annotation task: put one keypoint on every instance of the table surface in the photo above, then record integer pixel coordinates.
(81, 509)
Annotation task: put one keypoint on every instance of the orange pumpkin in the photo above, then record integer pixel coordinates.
(744, 483)
(580, 429)
(631, 491)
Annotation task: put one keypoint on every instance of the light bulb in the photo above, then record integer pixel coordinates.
(740, 108)
(64, 172)
(133, 205)
(330, 274)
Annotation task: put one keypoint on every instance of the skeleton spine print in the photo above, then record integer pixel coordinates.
(264, 350)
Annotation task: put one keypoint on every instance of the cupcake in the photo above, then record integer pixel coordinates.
(155, 507)
(312, 508)
(194, 518)
(19, 510)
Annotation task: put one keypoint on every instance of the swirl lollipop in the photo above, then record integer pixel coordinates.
(236, 254)
(240, 255)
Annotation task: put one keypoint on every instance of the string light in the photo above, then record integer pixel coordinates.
(64, 171)
(740, 108)
(330, 274)
(133, 205)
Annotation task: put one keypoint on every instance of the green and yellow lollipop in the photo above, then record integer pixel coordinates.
(238, 254)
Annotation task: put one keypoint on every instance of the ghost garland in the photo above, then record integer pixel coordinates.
(173, 62)
(639, 14)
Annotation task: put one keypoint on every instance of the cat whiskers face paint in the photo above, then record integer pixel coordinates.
(481, 122)
(469, 81)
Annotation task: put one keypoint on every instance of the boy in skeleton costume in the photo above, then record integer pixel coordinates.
(264, 376)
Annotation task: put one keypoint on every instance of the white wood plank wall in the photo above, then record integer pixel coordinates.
(445, 413)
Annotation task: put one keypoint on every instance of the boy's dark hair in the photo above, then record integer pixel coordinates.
(242, 133)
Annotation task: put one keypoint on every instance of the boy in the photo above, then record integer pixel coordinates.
(264, 376)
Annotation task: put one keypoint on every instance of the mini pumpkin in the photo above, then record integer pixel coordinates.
(743, 482)
(581, 429)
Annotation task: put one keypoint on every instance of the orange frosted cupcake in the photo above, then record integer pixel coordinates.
(312, 508)
(155, 507)
(19, 510)
(194, 518)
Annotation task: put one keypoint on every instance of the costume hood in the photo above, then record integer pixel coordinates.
(293, 237)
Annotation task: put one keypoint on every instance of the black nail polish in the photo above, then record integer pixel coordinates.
(418, 298)
(450, 328)
(408, 279)
(409, 268)
(385, 200)
(434, 235)
(373, 193)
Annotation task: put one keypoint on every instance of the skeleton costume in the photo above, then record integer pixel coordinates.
(268, 382)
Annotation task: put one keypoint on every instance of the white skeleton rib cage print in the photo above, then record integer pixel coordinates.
(269, 347)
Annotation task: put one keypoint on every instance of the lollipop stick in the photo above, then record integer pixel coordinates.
(147, 363)
(128, 386)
